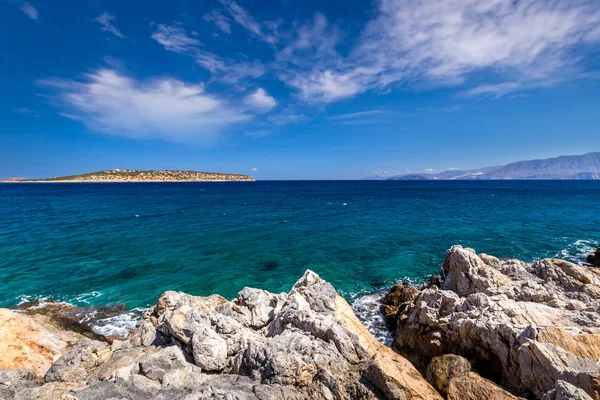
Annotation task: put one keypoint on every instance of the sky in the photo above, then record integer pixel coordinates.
(290, 89)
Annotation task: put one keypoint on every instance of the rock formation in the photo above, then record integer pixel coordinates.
(594, 259)
(306, 344)
(532, 328)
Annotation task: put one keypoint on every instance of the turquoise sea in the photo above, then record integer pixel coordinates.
(92, 244)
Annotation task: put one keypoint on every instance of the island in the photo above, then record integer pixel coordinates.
(133, 175)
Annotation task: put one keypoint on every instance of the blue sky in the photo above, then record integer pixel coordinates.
(295, 89)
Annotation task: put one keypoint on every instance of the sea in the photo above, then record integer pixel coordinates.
(109, 243)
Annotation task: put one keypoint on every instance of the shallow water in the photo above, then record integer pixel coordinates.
(108, 243)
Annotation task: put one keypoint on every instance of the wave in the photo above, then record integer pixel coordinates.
(578, 251)
(119, 325)
(367, 309)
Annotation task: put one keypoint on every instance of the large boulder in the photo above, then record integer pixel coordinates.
(32, 342)
(526, 325)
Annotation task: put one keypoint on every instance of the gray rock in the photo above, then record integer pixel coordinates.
(77, 364)
(145, 384)
(155, 366)
(534, 324)
(209, 349)
(566, 391)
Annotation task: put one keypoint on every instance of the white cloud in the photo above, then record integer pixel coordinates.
(287, 117)
(31, 12)
(354, 115)
(428, 169)
(260, 101)
(453, 169)
(221, 21)
(227, 70)
(174, 38)
(105, 19)
(265, 31)
(161, 109)
(509, 45)
(254, 169)
(325, 86)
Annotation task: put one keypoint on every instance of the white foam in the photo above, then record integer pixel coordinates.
(578, 251)
(119, 325)
(367, 309)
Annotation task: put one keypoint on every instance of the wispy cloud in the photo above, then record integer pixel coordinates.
(264, 31)
(356, 115)
(31, 12)
(26, 111)
(287, 117)
(221, 21)
(423, 43)
(254, 169)
(428, 169)
(260, 101)
(161, 109)
(105, 19)
(174, 38)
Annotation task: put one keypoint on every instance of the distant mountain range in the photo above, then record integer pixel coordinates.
(586, 166)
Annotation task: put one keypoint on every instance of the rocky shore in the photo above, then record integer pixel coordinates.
(483, 329)
(532, 328)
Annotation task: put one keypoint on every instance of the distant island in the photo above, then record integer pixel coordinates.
(132, 175)
(583, 167)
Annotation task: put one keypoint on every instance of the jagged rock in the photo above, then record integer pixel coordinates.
(156, 365)
(31, 342)
(306, 344)
(473, 387)
(11, 380)
(442, 369)
(145, 384)
(76, 365)
(395, 302)
(71, 318)
(526, 325)
(566, 391)
(210, 349)
(594, 259)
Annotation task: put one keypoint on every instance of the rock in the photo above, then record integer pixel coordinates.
(594, 259)
(261, 305)
(31, 342)
(473, 387)
(155, 366)
(566, 391)
(70, 318)
(16, 379)
(210, 349)
(145, 384)
(188, 377)
(443, 369)
(75, 366)
(306, 344)
(526, 326)
(395, 301)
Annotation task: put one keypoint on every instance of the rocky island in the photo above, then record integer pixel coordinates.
(484, 329)
(132, 175)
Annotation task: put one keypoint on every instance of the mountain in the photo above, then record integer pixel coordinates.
(583, 167)
(132, 175)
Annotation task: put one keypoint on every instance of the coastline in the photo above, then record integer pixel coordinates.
(476, 290)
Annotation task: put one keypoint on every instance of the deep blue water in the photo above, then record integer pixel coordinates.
(109, 243)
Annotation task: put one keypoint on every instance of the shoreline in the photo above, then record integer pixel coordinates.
(481, 315)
